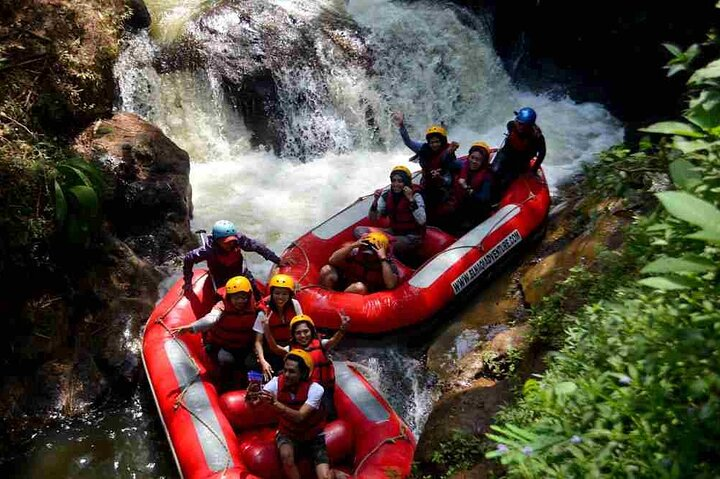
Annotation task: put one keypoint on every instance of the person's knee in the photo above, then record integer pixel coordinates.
(357, 288)
(225, 358)
(287, 456)
(328, 276)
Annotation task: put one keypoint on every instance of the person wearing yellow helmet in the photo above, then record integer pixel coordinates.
(227, 328)
(404, 206)
(301, 418)
(439, 166)
(305, 337)
(524, 142)
(277, 309)
(363, 266)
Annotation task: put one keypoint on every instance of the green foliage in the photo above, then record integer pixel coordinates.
(635, 389)
(78, 186)
(460, 452)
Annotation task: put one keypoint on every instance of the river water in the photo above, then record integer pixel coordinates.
(429, 60)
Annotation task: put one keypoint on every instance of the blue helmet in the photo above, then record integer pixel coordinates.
(526, 115)
(223, 229)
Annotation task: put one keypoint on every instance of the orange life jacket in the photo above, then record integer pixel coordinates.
(323, 371)
(401, 217)
(279, 323)
(304, 430)
(234, 328)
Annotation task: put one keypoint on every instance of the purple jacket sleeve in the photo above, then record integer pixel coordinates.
(249, 244)
(193, 257)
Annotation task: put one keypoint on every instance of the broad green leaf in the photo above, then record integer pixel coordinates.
(69, 170)
(710, 71)
(664, 283)
(704, 117)
(90, 171)
(690, 146)
(692, 209)
(679, 265)
(565, 388)
(706, 235)
(87, 203)
(706, 99)
(675, 69)
(683, 174)
(529, 436)
(511, 436)
(673, 49)
(673, 128)
(60, 204)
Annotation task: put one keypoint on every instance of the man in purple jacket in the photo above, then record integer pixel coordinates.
(223, 253)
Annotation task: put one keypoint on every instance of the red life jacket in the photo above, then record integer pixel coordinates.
(355, 269)
(401, 217)
(523, 145)
(304, 430)
(475, 179)
(279, 323)
(432, 161)
(234, 328)
(323, 371)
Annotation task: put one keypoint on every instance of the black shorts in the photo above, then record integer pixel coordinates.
(314, 447)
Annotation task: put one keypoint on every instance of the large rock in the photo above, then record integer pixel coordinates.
(492, 309)
(139, 15)
(609, 52)
(606, 233)
(274, 63)
(149, 202)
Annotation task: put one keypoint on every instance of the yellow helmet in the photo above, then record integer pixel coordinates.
(300, 318)
(377, 239)
(436, 130)
(238, 284)
(305, 356)
(481, 144)
(282, 281)
(401, 168)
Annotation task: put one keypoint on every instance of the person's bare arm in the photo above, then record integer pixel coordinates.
(341, 255)
(340, 333)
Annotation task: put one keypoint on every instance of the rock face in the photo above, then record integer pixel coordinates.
(273, 65)
(609, 52)
(139, 15)
(149, 202)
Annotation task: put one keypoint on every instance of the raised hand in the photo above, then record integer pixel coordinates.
(398, 118)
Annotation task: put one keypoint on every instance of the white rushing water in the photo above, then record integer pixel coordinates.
(426, 62)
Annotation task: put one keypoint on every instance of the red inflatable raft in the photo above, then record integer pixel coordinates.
(220, 436)
(448, 265)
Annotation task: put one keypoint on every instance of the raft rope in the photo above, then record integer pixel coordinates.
(179, 400)
(388, 440)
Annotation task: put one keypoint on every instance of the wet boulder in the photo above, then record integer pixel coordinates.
(139, 15)
(148, 199)
(274, 66)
